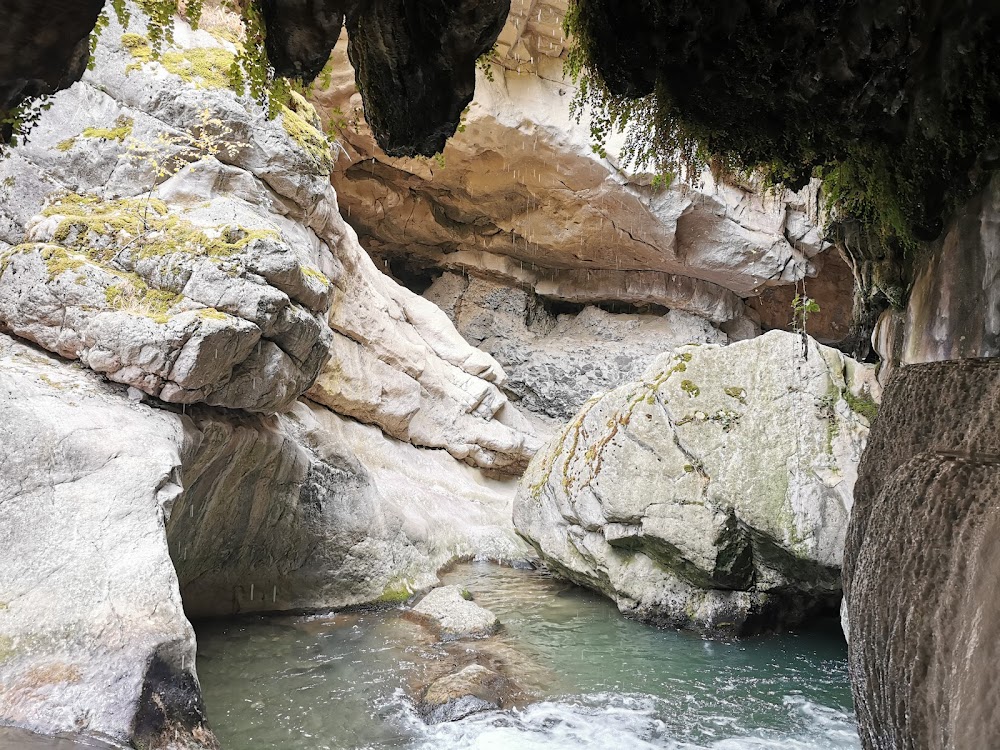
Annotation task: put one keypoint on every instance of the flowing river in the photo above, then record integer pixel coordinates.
(341, 681)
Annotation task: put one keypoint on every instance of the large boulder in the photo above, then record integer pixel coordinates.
(714, 492)
(922, 560)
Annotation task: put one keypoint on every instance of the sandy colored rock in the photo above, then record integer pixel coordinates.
(471, 690)
(521, 197)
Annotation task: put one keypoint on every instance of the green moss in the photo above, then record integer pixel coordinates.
(737, 392)
(135, 297)
(467, 595)
(302, 123)
(58, 260)
(690, 388)
(396, 592)
(212, 314)
(863, 405)
(206, 67)
(66, 145)
(119, 133)
(146, 225)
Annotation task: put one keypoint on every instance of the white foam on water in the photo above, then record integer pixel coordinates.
(609, 721)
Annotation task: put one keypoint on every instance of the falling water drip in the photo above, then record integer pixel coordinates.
(251, 592)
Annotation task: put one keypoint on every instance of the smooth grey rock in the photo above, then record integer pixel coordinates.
(93, 636)
(711, 494)
(455, 616)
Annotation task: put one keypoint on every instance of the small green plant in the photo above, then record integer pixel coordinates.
(802, 308)
(485, 63)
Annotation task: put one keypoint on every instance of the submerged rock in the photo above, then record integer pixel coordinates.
(471, 690)
(713, 493)
(455, 616)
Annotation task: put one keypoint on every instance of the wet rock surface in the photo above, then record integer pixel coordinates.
(470, 690)
(455, 616)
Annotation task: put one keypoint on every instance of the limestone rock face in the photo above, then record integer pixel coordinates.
(93, 636)
(921, 562)
(952, 311)
(321, 512)
(520, 196)
(233, 281)
(454, 615)
(233, 512)
(714, 492)
(555, 362)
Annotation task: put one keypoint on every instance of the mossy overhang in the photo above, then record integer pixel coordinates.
(907, 91)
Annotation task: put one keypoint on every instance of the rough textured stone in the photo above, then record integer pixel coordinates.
(471, 690)
(255, 513)
(556, 362)
(921, 561)
(522, 198)
(454, 615)
(233, 280)
(713, 493)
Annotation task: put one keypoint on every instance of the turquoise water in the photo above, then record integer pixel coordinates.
(341, 682)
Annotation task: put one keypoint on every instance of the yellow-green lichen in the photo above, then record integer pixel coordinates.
(135, 297)
(690, 388)
(737, 392)
(59, 260)
(52, 384)
(145, 226)
(119, 133)
(314, 273)
(206, 67)
(210, 313)
(66, 145)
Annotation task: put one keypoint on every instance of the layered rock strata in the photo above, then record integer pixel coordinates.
(519, 196)
(714, 492)
(160, 232)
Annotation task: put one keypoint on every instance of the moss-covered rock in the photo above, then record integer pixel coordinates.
(698, 504)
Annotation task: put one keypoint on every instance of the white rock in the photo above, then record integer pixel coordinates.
(456, 616)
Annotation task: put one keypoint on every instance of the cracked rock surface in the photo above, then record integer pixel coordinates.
(712, 493)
